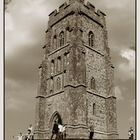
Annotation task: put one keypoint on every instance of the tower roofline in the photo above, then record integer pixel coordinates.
(88, 6)
(72, 1)
(70, 8)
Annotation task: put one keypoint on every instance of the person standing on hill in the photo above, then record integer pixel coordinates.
(19, 137)
(64, 132)
(55, 130)
(131, 133)
(91, 132)
(30, 128)
(30, 131)
(60, 127)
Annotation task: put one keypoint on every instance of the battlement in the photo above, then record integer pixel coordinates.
(76, 6)
(63, 6)
(53, 13)
(90, 6)
(61, 9)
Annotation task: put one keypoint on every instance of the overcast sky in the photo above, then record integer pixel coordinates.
(26, 22)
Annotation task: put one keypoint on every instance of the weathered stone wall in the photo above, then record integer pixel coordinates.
(41, 101)
(69, 65)
(95, 67)
(98, 119)
(111, 114)
(104, 118)
(71, 105)
(109, 77)
(56, 103)
(40, 118)
(87, 26)
(62, 73)
(76, 6)
(95, 55)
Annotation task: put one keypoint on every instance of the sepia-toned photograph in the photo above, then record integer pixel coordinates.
(70, 69)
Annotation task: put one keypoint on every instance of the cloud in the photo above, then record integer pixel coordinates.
(19, 95)
(26, 22)
(118, 93)
(116, 4)
(127, 70)
(109, 4)
(23, 67)
(11, 84)
(14, 104)
(120, 21)
(25, 27)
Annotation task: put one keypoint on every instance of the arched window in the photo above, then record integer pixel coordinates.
(61, 39)
(92, 83)
(52, 66)
(58, 83)
(91, 39)
(55, 118)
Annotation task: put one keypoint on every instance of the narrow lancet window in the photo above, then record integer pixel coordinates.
(91, 39)
(61, 39)
(93, 108)
(58, 83)
(52, 66)
(92, 83)
(55, 42)
(51, 85)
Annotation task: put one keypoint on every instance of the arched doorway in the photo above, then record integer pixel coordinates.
(55, 118)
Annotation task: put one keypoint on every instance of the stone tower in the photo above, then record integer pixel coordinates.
(76, 75)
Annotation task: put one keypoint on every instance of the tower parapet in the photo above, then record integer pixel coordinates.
(77, 6)
(72, 1)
